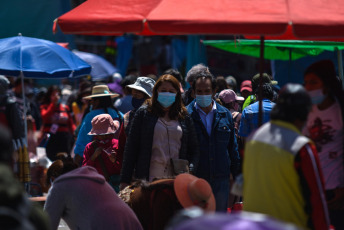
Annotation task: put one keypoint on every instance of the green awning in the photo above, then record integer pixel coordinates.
(276, 49)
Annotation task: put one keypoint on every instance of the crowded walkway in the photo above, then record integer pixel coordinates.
(147, 152)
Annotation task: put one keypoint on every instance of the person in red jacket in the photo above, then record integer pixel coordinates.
(101, 153)
(57, 122)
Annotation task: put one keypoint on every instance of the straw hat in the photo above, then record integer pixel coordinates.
(101, 91)
(103, 124)
(144, 85)
(194, 191)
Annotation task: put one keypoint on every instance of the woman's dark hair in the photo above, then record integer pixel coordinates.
(177, 110)
(62, 165)
(53, 88)
(293, 103)
(105, 103)
(221, 84)
(325, 70)
(175, 73)
(267, 91)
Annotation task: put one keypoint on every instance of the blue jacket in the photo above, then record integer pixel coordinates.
(219, 154)
(249, 117)
(86, 126)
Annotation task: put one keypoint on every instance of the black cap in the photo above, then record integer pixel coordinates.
(293, 103)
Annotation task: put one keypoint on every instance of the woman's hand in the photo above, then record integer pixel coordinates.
(112, 156)
(96, 153)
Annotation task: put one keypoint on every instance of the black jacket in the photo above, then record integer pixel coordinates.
(138, 148)
(11, 111)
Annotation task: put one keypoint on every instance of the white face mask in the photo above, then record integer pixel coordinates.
(317, 96)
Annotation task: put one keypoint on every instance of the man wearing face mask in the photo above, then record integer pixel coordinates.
(214, 125)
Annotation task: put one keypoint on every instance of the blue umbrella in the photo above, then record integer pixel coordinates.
(38, 58)
(101, 68)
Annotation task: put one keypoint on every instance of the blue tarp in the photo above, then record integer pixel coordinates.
(292, 71)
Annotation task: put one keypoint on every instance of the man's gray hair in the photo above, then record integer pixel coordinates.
(194, 71)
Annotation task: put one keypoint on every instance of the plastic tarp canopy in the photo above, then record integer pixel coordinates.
(289, 35)
(107, 17)
(309, 19)
(276, 49)
(112, 17)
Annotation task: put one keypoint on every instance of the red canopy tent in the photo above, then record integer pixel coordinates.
(309, 19)
(289, 35)
(113, 17)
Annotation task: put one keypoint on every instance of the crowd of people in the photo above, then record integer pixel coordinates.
(133, 153)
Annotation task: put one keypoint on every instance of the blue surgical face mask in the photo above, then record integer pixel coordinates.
(136, 103)
(204, 100)
(166, 99)
(317, 96)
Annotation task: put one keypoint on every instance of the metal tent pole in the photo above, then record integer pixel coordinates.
(261, 71)
(340, 66)
(24, 102)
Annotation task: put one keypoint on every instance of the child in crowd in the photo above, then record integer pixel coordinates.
(101, 152)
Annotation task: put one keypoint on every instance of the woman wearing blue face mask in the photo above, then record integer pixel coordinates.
(161, 131)
(325, 127)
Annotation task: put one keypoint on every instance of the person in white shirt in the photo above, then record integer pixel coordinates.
(325, 127)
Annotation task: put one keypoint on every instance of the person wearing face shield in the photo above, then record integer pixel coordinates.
(160, 137)
(325, 127)
(219, 156)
